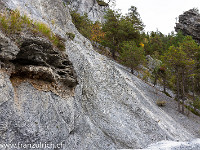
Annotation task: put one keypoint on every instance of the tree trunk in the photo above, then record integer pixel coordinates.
(177, 90)
(164, 83)
(193, 88)
(113, 50)
(183, 91)
(113, 54)
(155, 80)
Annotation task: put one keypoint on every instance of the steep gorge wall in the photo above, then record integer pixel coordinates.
(108, 109)
(37, 85)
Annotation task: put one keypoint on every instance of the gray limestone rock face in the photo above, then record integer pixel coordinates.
(120, 104)
(172, 145)
(94, 11)
(8, 49)
(189, 24)
(29, 116)
(110, 108)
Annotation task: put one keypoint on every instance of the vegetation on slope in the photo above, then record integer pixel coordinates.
(87, 28)
(11, 22)
(180, 67)
(119, 28)
(131, 55)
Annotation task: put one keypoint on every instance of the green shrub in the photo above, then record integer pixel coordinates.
(4, 23)
(58, 42)
(11, 21)
(15, 21)
(161, 103)
(82, 23)
(196, 103)
(196, 106)
(44, 29)
(70, 35)
(27, 21)
(53, 22)
(193, 110)
(146, 75)
(102, 3)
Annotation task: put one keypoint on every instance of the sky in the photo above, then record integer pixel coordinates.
(158, 14)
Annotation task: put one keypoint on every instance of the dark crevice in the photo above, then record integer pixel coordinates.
(62, 67)
(1, 47)
(61, 73)
(26, 62)
(66, 63)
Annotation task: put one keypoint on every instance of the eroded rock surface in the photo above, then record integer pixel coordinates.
(37, 58)
(189, 24)
(8, 49)
(111, 108)
(29, 116)
(37, 84)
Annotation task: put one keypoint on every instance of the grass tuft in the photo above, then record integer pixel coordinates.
(11, 22)
(70, 35)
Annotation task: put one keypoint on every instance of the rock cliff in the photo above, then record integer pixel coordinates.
(40, 101)
(95, 12)
(189, 24)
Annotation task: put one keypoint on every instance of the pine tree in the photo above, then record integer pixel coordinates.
(179, 61)
(111, 27)
(131, 55)
(120, 28)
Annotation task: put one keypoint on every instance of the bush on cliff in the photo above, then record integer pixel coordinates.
(90, 30)
(11, 22)
(82, 23)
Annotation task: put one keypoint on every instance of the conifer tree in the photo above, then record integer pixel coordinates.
(180, 63)
(131, 55)
(120, 28)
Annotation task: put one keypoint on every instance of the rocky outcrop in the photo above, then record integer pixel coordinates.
(109, 108)
(189, 24)
(94, 11)
(152, 64)
(37, 84)
(36, 58)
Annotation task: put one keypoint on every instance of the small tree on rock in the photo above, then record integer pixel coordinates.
(131, 55)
